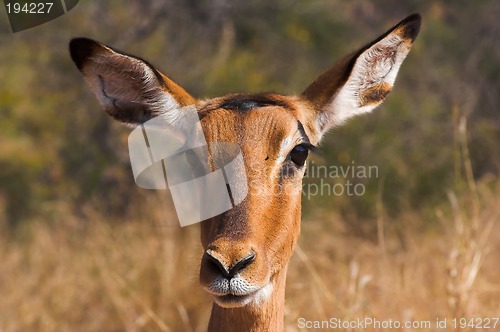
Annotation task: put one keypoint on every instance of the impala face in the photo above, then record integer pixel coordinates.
(244, 247)
(247, 249)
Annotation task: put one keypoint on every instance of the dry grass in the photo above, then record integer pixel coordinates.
(88, 275)
(445, 271)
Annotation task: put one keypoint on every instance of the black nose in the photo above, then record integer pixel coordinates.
(230, 272)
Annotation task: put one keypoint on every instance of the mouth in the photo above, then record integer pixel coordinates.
(233, 301)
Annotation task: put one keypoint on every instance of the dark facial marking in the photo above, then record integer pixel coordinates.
(249, 103)
(302, 132)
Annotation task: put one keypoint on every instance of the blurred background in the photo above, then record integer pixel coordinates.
(83, 249)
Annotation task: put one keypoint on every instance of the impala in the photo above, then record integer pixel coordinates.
(247, 248)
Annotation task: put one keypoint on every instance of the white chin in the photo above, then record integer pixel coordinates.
(237, 301)
(233, 301)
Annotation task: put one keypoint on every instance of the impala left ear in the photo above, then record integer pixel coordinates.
(361, 81)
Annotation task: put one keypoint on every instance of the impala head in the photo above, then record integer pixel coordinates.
(248, 247)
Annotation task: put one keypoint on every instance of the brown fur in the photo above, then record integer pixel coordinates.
(374, 94)
(259, 223)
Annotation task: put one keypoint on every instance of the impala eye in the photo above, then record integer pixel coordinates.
(299, 155)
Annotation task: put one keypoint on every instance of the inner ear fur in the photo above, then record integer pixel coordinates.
(361, 81)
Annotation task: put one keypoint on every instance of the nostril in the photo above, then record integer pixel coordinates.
(243, 263)
(229, 273)
(218, 264)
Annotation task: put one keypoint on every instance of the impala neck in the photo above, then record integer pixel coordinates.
(267, 316)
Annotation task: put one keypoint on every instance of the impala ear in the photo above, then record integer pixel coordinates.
(128, 88)
(362, 80)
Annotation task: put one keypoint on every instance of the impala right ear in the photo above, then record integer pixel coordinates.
(361, 81)
(128, 88)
